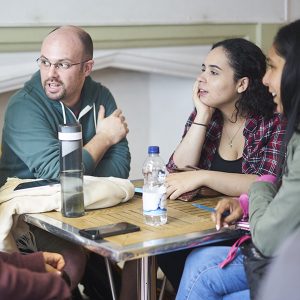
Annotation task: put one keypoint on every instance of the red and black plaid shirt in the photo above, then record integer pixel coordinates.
(263, 140)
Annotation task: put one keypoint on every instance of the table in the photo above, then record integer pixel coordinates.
(187, 227)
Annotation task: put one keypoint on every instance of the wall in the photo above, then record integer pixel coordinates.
(155, 115)
(3, 103)
(129, 12)
(156, 105)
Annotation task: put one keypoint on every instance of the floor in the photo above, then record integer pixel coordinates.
(169, 293)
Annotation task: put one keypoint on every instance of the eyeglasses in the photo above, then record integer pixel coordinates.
(62, 65)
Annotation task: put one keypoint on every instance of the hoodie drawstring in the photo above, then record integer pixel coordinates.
(95, 117)
(64, 112)
(83, 112)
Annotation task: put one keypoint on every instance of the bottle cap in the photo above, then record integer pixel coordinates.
(153, 149)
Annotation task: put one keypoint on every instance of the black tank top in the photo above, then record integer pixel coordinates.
(229, 166)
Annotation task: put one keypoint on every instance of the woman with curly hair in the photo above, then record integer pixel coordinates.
(233, 135)
(210, 273)
(233, 128)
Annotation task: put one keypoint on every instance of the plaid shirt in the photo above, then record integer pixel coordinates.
(263, 140)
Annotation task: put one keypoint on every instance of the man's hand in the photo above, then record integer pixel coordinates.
(54, 262)
(227, 204)
(113, 127)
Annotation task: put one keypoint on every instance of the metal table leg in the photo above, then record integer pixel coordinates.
(163, 286)
(110, 277)
(147, 277)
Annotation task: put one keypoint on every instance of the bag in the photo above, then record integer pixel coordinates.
(256, 265)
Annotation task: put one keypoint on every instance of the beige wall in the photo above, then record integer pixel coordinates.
(3, 103)
(155, 105)
(106, 37)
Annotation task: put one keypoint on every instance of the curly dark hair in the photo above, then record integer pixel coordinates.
(247, 60)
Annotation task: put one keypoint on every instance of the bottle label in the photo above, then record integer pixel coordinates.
(155, 203)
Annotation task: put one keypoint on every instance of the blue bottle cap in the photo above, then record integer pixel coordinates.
(153, 149)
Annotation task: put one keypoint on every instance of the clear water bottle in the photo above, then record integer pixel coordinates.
(154, 190)
(71, 170)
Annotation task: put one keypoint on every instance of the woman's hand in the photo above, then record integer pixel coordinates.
(204, 111)
(179, 183)
(231, 205)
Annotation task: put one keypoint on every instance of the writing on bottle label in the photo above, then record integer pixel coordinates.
(154, 203)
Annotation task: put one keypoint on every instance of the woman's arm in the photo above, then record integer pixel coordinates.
(189, 150)
(230, 184)
(274, 215)
(22, 283)
(33, 261)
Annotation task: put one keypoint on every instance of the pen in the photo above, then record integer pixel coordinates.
(210, 209)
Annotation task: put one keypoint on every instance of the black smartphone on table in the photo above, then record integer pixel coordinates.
(35, 183)
(97, 233)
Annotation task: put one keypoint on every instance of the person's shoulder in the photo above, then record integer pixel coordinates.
(26, 100)
(92, 83)
(93, 88)
(278, 118)
(262, 122)
(293, 150)
(262, 127)
(19, 100)
(33, 84)
(295, 139)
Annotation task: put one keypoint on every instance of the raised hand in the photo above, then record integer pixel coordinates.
(204, 112)
(114, 127)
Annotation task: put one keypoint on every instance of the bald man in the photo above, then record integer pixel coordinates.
(62, 92)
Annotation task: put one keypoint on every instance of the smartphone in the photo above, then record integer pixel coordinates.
(35, 183)
(97, 233)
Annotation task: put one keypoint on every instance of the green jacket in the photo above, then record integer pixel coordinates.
(30, 146)
(274, 215)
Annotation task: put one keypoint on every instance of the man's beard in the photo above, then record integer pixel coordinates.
(55, 96)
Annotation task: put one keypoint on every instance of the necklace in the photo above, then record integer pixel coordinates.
(233, 137)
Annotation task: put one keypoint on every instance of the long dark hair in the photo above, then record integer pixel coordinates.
(247, 60)
(287, 45)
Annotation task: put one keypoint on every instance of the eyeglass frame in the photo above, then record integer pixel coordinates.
(56, 65)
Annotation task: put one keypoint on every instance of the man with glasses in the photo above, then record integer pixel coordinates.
(62, 92)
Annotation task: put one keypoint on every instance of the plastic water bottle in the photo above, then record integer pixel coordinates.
(71, 170)
(154, 190)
